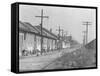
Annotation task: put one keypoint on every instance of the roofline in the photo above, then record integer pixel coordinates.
(24, 31)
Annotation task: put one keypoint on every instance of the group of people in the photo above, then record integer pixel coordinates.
(36, 52)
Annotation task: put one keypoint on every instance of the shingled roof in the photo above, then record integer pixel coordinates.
(47, 32)
(27, 27)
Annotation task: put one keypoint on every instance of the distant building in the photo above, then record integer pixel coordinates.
(65, 42)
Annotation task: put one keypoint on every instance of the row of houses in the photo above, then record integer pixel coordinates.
(30, 39)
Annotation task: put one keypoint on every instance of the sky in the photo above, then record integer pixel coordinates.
(68, 18)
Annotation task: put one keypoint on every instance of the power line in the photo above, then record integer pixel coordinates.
(84, 37)
(59, 36)
(59, 32)
(62, 32)
(42, 17)
(87, 23)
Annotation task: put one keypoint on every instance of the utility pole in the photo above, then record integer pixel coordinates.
(62, 32)
(42, 17)
(63, 38)
(84, 37)
(86, 24)
(59, 31)
(66, 33)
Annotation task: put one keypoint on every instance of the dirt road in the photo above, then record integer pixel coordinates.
(38, 62)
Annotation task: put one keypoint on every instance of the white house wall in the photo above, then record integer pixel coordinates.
(31, 42)
(45, 43)
(28, 42)
(21, 38)
(38, 40)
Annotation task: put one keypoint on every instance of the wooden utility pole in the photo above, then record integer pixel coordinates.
(86, 24)
(42, 17)
(62, 32)
(66, 33)
(84, 37)
(59, 32)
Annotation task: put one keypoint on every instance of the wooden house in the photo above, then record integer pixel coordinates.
(30, 39)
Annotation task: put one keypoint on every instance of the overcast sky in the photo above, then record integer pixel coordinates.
(69, 19)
